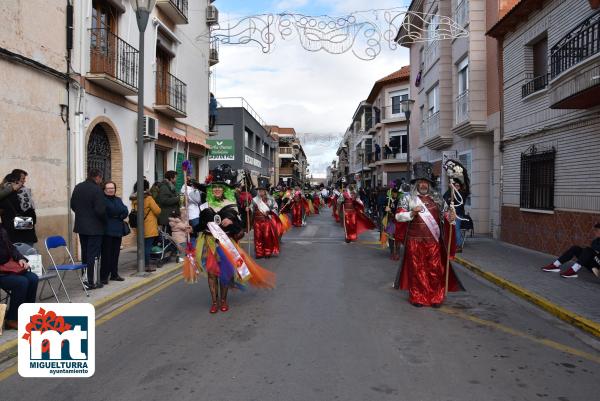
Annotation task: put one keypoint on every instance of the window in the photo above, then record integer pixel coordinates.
(399, 141)
(397, 98)
(265, 150)
(540, 57)
(248, 139)
(433, 100)
(257, 146)
(537, 179)
(463, 76)
(432, 27)
(160, 164)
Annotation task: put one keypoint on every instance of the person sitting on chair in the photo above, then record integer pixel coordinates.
(588, 257)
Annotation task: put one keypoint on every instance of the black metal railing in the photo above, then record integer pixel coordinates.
(537, 179)
(579, 44)
(170, 91)
(182, 6)
(536, 84)
(109, 54)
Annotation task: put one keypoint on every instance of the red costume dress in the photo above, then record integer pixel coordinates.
(297, 209)
(333, 204)
(266, 233)
(424, 267)
(355, 221)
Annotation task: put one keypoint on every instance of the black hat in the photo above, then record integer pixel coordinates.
(423, 171)
(225, 175)
(263, 183)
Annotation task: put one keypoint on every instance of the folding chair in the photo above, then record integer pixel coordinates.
(26, 250)
(56, 242)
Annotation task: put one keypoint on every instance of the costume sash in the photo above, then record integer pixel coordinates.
(225, 241)
(262, 207)
(429, 220)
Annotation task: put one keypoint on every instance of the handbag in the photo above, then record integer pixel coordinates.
(12, 267)
(126, 229)
(133, 222)
(21, 222)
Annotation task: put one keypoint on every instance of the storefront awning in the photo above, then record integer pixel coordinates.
(190, 138)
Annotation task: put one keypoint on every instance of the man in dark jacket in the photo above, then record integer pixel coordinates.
(168, 198)
(88, 204)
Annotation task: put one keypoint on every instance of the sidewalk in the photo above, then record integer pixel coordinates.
(100, 298)
(519, 271)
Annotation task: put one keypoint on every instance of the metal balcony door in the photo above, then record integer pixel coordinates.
(163, 63)
(98, 152)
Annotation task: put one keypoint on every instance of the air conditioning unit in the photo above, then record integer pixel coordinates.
(213, 57)
(150, 129)
(212, 15)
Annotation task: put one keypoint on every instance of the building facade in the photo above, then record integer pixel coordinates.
(34, 106)
(550, 195)
(450, 116)
(386, 147)
(243, 141)
(292, 162)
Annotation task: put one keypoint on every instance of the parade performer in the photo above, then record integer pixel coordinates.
(333, 204)
(353, 217)
(267, 226)
(423, 270)
(217, 251)
(393, 232)
(297, 208)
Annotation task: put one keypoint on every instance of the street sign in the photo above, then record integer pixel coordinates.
(221, 149)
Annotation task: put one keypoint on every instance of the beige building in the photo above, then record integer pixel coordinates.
(449, 84)
(292, 164)
(57, 131)
(34, 105)
(550, 74)
(386, 146)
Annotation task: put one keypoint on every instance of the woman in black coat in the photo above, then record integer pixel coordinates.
(18, 203)
(116, 213)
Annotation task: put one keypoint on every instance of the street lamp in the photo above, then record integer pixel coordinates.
(406, 107)
(142, 9)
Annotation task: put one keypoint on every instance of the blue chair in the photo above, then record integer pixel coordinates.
(57, 242)
(46, 276)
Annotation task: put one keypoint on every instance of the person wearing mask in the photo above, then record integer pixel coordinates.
(116, 213)
(151, 213)
(89, 205)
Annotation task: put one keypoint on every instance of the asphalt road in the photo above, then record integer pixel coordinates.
(333, 329)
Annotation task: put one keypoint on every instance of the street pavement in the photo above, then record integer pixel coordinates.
(333, 329)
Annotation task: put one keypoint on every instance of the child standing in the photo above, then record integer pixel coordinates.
(180, 228)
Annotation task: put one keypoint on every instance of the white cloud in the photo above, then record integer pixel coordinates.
(289, 5)
(311, 92)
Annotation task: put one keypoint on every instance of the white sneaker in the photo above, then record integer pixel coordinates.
(179, 259)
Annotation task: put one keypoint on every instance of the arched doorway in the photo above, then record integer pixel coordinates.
(99, 152)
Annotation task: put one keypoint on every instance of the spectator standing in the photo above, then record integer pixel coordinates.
(116, 213)
(377, 152)
(168, 198)
(89, 205)
(212, 113)
(151, 213)
(19, 203)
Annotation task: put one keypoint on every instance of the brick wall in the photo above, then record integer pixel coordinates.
(549, 233)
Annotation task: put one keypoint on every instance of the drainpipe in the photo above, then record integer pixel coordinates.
(69, 47)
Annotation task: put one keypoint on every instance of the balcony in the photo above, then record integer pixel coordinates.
(286, 153)
(575, 67)
(461, 13)
(431, 55)
(432, 137)
(464, 124)
(392, 158)
(534, 85)
(170, 96)
(286, 171)
(213, 56)
(113, 62)
(176, 10)
(462, 108)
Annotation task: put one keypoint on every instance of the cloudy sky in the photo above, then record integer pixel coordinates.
(315, 93)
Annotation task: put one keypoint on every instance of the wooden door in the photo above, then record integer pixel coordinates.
(163, 62)
(103, 45)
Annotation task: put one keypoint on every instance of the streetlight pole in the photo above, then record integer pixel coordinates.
(406, 107)
(142, 9)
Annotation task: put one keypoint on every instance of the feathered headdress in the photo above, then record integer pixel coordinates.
(457, 173)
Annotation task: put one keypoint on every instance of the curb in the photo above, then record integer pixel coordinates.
(11, 346)
(566, 315)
